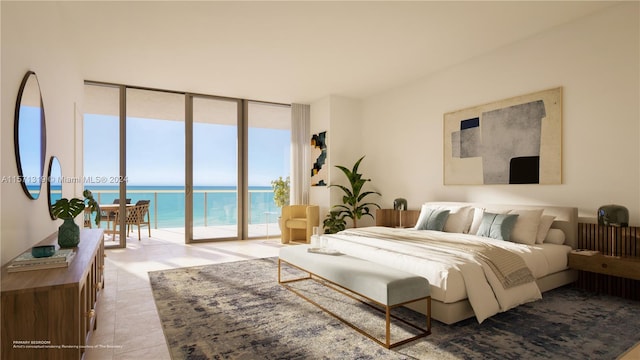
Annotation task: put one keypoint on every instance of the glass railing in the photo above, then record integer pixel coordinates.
(215, 207)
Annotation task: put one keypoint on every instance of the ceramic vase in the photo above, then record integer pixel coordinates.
(68, 234)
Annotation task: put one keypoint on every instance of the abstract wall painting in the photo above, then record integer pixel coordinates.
(511, 141)
(319, 170)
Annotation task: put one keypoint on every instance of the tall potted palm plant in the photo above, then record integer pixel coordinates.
(281, 195)
(353, 204)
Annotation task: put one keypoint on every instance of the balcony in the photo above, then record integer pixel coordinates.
(214, 212)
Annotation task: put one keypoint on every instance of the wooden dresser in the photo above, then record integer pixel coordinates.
(51, 313)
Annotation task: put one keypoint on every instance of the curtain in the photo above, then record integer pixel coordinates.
(300, 153)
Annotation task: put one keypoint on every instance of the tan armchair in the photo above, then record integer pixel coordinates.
(298, 222)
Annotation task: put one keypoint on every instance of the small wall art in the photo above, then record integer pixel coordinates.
(511, 141)
(319, 157)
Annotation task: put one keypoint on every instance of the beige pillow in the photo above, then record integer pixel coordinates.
(476, 220)
(543, 228)
(526, 229)
(555, 236)
(459, 219)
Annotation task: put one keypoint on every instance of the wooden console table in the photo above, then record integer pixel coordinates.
(51, 313)
(615, 270)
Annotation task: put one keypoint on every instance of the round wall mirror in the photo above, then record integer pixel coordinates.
(54, 183)
(30, 136)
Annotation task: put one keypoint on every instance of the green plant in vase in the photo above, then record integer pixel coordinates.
(281, 194)
(92, 205)
(68, 210)
(354, 205)
(281, 191)
(333, 223)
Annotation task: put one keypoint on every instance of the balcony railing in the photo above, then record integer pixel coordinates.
(210, 207)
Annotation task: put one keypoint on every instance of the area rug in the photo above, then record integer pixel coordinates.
(238, 310)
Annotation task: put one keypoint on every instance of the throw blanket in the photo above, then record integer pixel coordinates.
(448, 260)
(508, 267)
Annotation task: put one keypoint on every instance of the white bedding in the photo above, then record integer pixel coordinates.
(460, 275)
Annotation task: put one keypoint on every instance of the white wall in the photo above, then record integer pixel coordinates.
(32, 40)
(320, 118)
(341, 117)
(596, 61)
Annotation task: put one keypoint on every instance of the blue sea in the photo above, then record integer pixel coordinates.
(212, 205)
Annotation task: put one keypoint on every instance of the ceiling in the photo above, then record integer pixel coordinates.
(295, 51)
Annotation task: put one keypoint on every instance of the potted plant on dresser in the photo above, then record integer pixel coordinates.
(281, 195)
(68, 210)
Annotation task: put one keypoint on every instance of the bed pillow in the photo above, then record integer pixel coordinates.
(476, 221)
(459, 219)
(431, 218)
(555, 236)
(543, 228)
(477, 218)
(525, 230)
(497, 226)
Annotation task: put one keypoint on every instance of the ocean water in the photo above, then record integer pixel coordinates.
(212, 205)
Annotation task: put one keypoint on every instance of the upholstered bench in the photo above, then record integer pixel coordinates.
(385, 286)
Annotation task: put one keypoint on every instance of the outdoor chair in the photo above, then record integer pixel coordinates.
(138, 215)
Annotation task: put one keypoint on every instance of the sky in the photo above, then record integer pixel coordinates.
(155, 152)
(29, 134)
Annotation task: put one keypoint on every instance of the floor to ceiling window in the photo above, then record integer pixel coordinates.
(215, 168)
(269, 158)
(155, 133)
(204, 163)
(101, 154)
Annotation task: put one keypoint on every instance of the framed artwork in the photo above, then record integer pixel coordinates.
(511, 141)
(319, 158)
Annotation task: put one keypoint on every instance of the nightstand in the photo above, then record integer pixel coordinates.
(615, 269)
(621, 266)
(396, 218)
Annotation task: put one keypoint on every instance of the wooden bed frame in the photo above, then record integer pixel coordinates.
(566, 219)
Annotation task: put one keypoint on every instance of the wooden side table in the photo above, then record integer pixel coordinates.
(615, 269)
(397, 218)
(621, 266)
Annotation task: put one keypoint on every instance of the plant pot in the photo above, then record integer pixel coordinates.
(282, 229)
(68, 234)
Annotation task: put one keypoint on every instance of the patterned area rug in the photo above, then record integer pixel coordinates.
(238, 310)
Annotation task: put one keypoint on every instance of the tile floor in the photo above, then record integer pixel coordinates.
(128, 323)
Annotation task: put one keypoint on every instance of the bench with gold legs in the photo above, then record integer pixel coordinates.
(387, 287)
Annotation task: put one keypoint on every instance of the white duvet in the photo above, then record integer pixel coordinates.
(459, 274)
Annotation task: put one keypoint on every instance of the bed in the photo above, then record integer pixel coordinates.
(472, 270)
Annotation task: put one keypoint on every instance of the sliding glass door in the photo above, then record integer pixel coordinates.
(269, 158)
(155, 129)
(214, 190)
(203, 163)
(102, 150)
